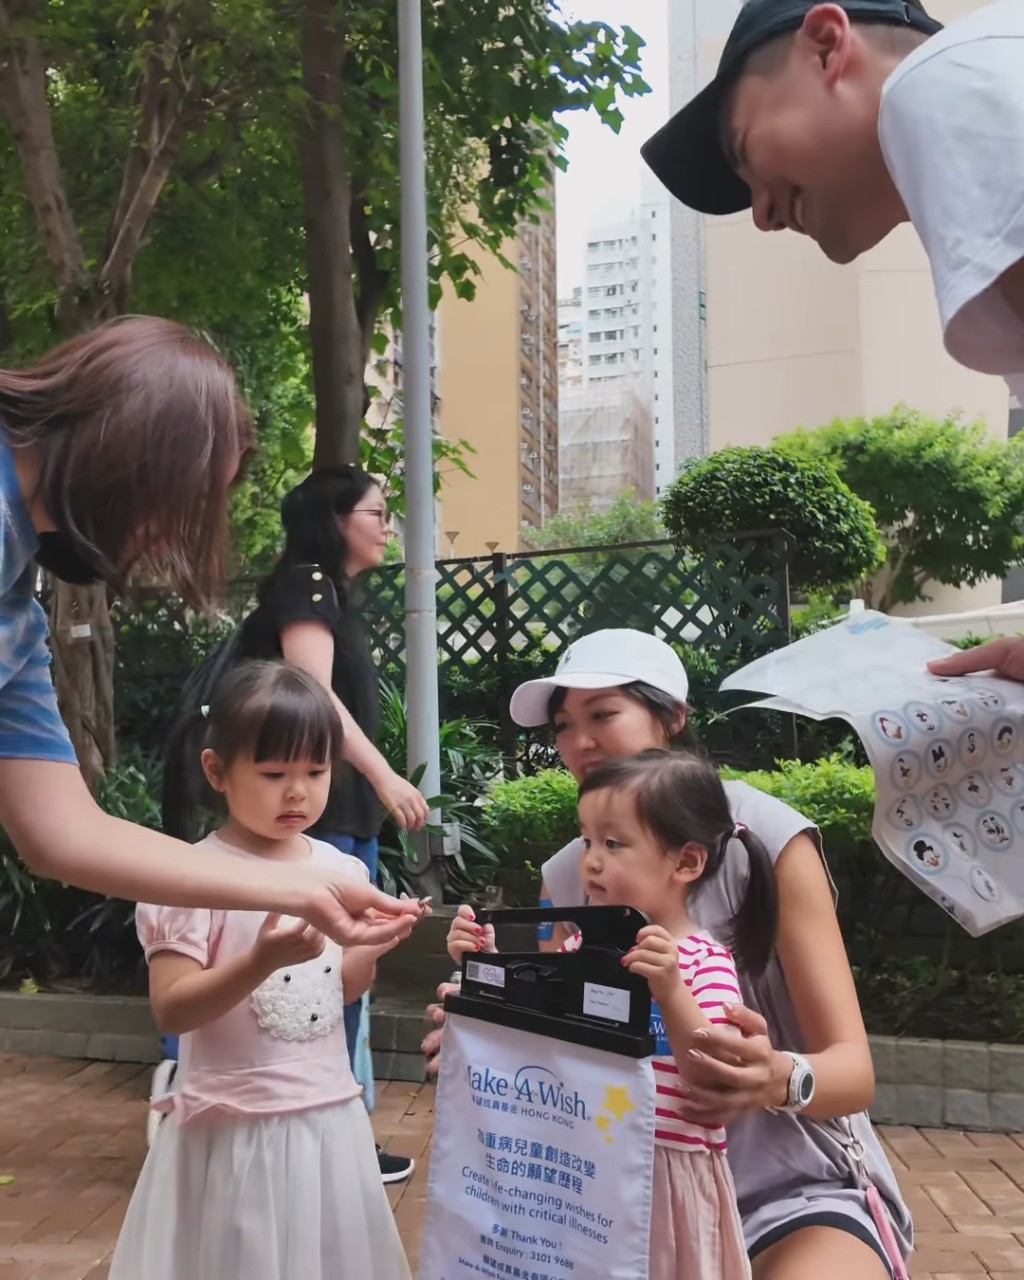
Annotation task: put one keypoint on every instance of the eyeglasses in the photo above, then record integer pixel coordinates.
(382, 514)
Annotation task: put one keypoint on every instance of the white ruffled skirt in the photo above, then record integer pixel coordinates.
(294, 1197)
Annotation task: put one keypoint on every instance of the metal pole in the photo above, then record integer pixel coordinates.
(423, 745)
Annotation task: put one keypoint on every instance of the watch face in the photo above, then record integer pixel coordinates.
(805, 1088)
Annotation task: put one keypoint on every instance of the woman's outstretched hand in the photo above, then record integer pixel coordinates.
(355, 913)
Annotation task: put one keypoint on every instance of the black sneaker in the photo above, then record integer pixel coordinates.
(394, 1168)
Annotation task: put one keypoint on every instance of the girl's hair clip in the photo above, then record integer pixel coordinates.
(204, 711)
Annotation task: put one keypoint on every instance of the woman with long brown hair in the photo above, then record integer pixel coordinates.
(117, 452)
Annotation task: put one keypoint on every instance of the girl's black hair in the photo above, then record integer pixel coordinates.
(680, 799)
(662, 706)
(309, 518)
(273, 711)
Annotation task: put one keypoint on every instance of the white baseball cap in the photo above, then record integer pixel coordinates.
(604, 660)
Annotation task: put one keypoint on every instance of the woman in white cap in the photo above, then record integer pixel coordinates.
(802, 1176)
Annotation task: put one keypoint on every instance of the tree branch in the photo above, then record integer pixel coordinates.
(371, 278)
(26, 111)
(335, 334)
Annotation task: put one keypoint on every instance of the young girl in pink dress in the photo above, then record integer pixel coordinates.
(266, 1166)
(655, 828)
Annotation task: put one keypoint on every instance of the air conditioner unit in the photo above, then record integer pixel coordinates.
(527, 488)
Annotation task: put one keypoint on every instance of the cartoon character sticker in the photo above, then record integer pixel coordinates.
(983, 884)
(960, 839)
(955, 708)
(1009, 779)
(1017, 816)
(986, 698)
(948, 905)
(921, 717)
(939, 802)
(890, 728)
(970, 748)
(905, 813)
(1005, 738)
(927, 855)
(905, 772)
(994, 830)
(938, 758)
(975, 791)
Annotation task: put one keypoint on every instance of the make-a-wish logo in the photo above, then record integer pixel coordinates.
(659, 1032)
(532, 1086)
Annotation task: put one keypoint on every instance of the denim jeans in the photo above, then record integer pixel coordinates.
(368, 853)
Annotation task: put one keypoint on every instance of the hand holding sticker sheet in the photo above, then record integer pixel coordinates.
(947, 754)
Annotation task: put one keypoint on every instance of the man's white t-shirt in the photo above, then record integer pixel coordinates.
(952, 132)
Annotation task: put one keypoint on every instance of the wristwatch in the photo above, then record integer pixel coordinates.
(801, 1086)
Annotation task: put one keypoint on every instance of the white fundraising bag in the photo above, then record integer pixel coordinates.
(542, 1159)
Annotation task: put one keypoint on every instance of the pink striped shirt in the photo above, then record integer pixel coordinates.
(709, 971)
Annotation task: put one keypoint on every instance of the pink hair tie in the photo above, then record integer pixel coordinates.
(738, 830)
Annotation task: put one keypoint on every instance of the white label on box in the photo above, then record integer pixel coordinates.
(605, 1002)
(491, 975)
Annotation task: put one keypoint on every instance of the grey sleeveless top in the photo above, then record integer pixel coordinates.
(784, 1166)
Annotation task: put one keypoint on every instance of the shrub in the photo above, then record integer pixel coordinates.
(530, 818)
(839, 797)
(741, 489)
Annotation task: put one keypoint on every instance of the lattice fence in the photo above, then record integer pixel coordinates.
(507, 618)
(724, 607)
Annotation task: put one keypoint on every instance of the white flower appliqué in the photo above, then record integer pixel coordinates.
(304, 1001)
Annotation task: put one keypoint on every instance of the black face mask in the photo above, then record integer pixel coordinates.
(57, 555)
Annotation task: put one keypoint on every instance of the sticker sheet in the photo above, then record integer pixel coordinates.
(947, 755)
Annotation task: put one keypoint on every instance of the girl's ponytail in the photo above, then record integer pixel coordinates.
(184, 786)
(755, 924)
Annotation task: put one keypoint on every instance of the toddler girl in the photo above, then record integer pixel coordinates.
(266, 1166)
(655, 829)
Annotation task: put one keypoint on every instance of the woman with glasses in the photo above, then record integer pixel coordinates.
(336, 527)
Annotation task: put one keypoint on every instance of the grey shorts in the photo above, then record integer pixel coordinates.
(839, 1207)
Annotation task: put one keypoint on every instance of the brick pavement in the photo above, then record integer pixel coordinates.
(71, 1137)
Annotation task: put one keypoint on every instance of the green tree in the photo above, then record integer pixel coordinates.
(496, 79)
(628, 519)
(948, 497)
(740, 490)
(223, 161)
(110, 106)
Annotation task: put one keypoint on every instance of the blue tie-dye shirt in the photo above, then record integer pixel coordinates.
(30, 724)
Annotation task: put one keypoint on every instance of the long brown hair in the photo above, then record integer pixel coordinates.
(140, 430)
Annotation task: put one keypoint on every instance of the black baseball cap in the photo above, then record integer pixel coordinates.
(687, 155)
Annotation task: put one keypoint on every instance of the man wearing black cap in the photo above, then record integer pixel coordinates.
(840, 121)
